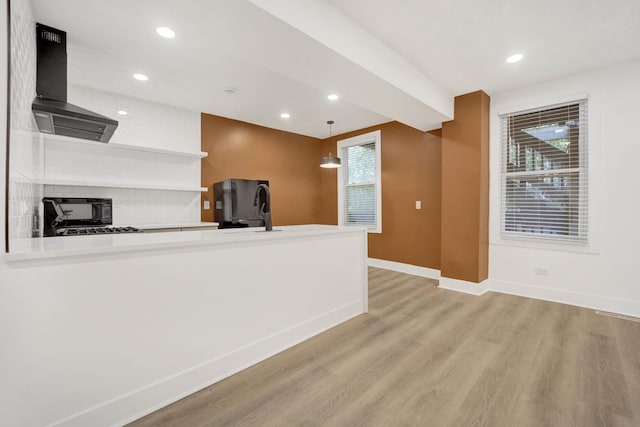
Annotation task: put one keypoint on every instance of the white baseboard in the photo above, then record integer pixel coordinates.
(626, 307)
(596, 302)
(127, 408)
(464, 286)
(400, 267)
(430, 273)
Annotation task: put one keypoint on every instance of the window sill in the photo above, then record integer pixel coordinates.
(377, 230)
(545, 245)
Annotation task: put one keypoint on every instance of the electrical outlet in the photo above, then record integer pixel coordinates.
(541, 271)
(207, 205)
(418, 204)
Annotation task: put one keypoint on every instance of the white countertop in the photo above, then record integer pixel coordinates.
(77, 246)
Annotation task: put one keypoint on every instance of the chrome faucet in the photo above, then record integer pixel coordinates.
(265, 208)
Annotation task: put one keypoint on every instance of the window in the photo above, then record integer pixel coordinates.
(546, 197)
(359, 189)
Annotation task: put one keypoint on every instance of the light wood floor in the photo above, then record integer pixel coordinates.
(430, 357)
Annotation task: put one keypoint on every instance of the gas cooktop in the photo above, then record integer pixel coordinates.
(88, 231)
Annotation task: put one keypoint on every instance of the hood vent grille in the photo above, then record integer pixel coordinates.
(62, 118)
(50, 36)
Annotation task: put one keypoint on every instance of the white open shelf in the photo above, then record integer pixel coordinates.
(118, 185)
(115, 145)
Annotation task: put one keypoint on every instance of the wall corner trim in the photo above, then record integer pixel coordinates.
(400, 267)
(464, 286)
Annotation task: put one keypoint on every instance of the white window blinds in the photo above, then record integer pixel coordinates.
(359, 182)
(544, 173)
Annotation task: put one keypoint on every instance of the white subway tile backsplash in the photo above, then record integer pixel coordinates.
(138, 207)
(25, 144)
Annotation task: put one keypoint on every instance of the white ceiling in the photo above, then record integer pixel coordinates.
(109, 41)
(401, 60)
(463, 44)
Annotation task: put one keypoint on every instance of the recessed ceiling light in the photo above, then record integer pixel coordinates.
(122, 112)
(333, 97)
(285, 115)
(515, 58)
(140, 77)
(165, 32)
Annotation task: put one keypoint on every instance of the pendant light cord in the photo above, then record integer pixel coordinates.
(330, 123)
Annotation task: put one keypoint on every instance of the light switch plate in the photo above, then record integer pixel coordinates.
(418, 204)
(207, 205)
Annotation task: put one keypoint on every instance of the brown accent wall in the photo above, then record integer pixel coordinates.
(411, 170)
(289, 161)
(465, 190)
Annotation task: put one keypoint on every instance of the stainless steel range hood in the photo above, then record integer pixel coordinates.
(53, 114)
(62, 118)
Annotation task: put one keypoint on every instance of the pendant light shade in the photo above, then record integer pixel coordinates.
(330, 161)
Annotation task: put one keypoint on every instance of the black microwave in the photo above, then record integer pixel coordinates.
(62, 212)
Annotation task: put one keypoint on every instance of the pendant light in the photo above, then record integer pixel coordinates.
(330, 161)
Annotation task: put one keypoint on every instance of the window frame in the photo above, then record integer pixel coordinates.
(367, 138)
(584, 169)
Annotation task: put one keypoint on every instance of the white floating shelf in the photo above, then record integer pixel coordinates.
(112, 145)
(198, 155)
(118, 185)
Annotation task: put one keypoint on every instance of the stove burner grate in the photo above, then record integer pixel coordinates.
(92, 231)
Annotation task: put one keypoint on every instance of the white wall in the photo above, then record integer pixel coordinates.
(604, 274)
(148, 124)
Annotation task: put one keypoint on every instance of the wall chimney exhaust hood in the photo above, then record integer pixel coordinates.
(53, 114)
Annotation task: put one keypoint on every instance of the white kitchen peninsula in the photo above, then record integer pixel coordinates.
(118, 326)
